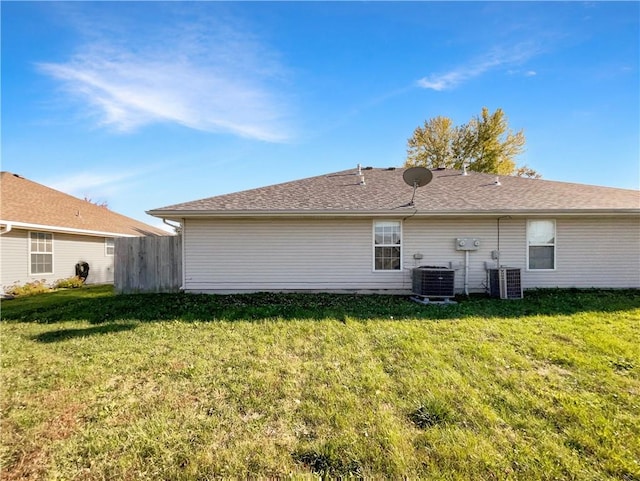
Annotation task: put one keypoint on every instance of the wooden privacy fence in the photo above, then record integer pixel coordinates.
(148, 264)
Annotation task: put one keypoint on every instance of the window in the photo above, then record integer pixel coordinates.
(109, 246)
(41, 252)
(387, 246)
(541, 244)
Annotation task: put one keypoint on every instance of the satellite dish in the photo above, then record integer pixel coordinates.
(416, 177)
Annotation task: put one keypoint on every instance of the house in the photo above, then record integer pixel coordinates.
(44, 233)
(359, 230)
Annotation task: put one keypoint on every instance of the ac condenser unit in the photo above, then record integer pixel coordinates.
(505, 283)
(433, 281)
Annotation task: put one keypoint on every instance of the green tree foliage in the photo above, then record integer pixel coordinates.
(485, 144)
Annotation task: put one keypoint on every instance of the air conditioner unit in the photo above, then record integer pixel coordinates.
(505, 283)
(433, 281)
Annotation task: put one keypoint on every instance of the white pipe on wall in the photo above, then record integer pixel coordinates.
(466, 273)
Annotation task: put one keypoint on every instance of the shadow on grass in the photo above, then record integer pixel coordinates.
(66, 334)
(98, 305)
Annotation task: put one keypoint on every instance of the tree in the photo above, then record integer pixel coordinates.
(485, 144)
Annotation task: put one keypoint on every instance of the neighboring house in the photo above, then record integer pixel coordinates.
(358, 231)
(44, 233)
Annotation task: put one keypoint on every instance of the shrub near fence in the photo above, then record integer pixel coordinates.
(148, 264)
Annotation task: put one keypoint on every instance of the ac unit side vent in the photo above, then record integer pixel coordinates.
(434, 282)
(505, 283)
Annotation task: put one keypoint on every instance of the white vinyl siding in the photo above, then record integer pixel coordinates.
(593, 252)
(238, 255)
(68, 249)
(14, 257)
(387, 246)
(40, 253)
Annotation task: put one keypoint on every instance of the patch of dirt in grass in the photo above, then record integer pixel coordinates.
(31, 456)
(280, 433)
(64, 424)
(31, 464)
(552, 370)
(251, 416)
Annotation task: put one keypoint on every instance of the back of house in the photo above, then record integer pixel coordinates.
(365, 229)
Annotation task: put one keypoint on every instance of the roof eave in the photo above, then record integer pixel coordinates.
(65, 230)
(177, 215)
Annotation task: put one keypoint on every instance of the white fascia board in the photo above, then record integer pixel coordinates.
(67, 230)
(178, 215)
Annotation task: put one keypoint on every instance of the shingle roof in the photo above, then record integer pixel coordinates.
(26, 202)
(385, 192)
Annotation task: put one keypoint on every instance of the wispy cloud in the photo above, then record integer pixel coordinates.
(202, 76)
(93, 184)
(497, 58)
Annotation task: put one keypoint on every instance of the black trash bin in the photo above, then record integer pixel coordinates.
(82, 270)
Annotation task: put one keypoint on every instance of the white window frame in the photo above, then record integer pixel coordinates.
(107, 246)
(554, 245)
(374, 245)
(31, 273)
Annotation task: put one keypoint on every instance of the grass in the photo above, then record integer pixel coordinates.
(186, 387)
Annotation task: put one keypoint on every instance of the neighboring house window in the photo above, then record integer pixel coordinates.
(109, 246)
(41, 252)
(387, 246)
(541, 244)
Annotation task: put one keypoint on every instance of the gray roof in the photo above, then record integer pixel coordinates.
(384, 193)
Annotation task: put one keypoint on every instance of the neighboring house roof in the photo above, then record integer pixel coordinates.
(385, 193)
(27, 204)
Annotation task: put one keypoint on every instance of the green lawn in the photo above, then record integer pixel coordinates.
(97, 386)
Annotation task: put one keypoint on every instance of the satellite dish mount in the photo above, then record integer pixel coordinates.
(416, 177)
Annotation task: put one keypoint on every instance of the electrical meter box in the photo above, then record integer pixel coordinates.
(467, 244)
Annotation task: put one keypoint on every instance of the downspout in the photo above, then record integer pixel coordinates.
(176, 228)
(466, 273)
(6, 229)
(184, 250)
(179, 230)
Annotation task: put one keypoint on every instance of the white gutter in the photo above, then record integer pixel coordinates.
(177, 215)
(71, 230)
(7, 228)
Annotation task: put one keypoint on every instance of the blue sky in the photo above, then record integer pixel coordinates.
(147, 104)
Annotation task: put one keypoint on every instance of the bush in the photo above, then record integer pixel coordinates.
(28, 289)
(70, 282)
